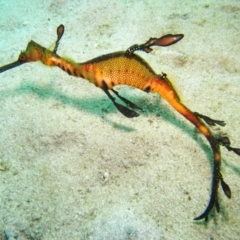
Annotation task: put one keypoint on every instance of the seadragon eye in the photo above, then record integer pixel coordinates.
(22, 57)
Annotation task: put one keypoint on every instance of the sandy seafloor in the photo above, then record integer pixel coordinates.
(73, 167)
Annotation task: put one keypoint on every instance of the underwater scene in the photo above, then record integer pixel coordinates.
(119, 120)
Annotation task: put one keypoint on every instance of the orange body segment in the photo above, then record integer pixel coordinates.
(118, 68)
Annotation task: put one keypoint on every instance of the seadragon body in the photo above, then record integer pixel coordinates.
(127, 68)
